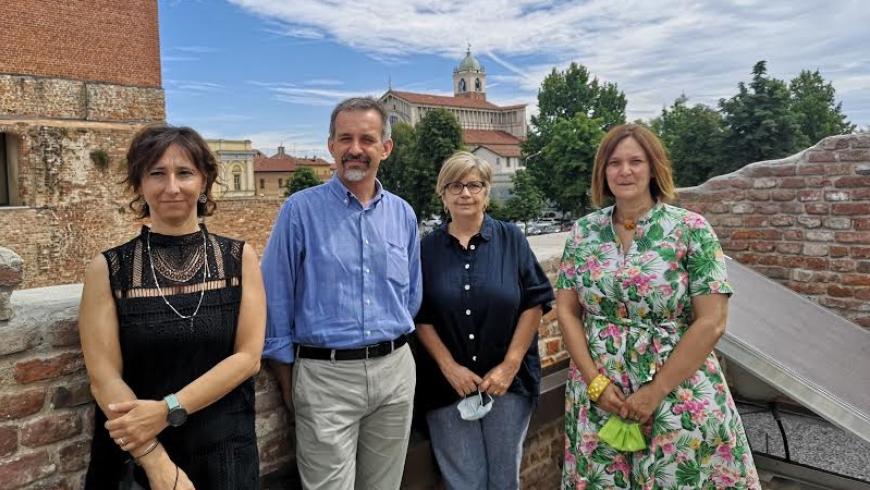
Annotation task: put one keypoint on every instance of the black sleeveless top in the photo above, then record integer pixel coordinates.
(163, 352)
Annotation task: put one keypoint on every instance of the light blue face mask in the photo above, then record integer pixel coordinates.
(473, 407)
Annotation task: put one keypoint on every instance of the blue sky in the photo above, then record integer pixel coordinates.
(271, 70)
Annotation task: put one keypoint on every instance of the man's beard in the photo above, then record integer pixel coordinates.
(355, 174)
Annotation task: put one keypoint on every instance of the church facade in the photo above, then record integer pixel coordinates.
(492, 132)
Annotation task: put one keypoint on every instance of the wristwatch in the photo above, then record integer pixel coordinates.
(177, 414)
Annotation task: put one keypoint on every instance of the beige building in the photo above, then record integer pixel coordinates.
(491, 132)
(236, 161)
(273, 173)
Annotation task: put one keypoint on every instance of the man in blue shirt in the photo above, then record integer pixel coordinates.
(343, 283)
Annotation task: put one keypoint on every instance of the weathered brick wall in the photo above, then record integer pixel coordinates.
(46, 409)
(55, 98)
(96, 40)
(72, 208)
(803, 221)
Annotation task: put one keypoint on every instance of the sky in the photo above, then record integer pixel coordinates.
(271, 70)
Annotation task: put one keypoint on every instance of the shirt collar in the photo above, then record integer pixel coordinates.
(485, 228)
(339, 190)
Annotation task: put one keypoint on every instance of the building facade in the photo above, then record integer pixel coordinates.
(236, 163)
(493, 133)
(271, 174)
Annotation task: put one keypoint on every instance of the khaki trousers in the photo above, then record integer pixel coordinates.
(353, 420)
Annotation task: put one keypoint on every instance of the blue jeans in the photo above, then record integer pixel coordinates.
(481, 454)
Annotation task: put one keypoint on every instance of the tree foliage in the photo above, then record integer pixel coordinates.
(526, 201)
(418, 153)
(694, 137)
(571, 103)
(570, 154)
(761, 124)
(817, 112)
(302, 178)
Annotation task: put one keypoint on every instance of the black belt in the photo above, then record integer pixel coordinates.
(375, 350)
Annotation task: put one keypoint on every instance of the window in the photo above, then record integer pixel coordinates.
(237, 182)
(262, 183)
(508, 160)
(462, 85)
(477, 84)
(497, 161)
(280, 182)
(8, 170)
(394, 119)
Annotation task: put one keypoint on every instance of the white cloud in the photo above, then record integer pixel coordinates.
(654, 50)
(292, 93)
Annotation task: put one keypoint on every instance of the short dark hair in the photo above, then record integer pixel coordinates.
(149, 145)
(361, 104)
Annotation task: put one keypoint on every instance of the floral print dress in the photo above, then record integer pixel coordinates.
(637, 305)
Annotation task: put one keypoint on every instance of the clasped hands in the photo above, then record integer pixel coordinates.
(137, 426)
(639, 406)
(496, 382)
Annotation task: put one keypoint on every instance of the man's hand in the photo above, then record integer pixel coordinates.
(462, 379)
(499, 379)
(642, 404)
(141, 421)
(284, 375)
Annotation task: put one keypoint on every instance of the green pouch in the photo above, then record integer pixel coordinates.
(622, 435)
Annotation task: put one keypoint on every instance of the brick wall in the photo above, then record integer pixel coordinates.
(46, 409)
(803, 221)
(96, 40)
(56, 98)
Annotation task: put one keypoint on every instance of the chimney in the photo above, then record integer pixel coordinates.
(281, 150)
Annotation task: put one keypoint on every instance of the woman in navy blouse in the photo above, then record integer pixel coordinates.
(483, 296)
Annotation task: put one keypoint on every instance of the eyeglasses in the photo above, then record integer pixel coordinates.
(474, 187)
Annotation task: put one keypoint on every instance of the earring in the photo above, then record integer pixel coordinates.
(203, 198)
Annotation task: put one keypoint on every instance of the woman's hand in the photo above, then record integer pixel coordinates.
(611, 400)
(163, 473)
(141, 421)
(462, 379)
(499, 379)
(642, 404)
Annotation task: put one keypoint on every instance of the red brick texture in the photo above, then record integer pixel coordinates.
(803, 221)
(96, 40)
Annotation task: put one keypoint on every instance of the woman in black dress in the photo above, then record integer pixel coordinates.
(172, 325)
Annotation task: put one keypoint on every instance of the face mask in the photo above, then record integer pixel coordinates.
(473, 407)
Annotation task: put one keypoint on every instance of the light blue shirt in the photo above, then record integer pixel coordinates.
(339, 274)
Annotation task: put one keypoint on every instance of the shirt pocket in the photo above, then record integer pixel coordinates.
(397, 263)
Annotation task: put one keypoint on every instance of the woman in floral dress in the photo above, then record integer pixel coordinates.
(642, 300)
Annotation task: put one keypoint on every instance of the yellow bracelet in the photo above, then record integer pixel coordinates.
(597, 387)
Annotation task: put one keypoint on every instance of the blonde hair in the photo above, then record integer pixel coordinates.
(458, 166)
(662, 183)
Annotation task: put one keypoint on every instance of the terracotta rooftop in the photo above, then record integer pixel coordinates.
(447, 101)
(503, 150)
(282, 162)
(487, 137)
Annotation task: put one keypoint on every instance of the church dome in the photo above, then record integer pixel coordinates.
(469, 63)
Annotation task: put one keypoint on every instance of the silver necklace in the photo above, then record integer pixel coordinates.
(205, 275)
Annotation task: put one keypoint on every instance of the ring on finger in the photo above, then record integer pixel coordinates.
(121, 442)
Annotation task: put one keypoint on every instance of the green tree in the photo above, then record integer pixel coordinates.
(302, 178)
(818, 114)
(526, 201)
(761, 124)
(694, 137)
(439, 135)
(396, 172)
(563, 96)
(570, 154)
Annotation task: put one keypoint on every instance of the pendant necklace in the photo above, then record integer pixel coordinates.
(205, 275)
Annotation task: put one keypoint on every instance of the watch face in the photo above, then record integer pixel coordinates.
(177, 416)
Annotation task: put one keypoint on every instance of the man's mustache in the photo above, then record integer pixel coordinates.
(360, 158)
